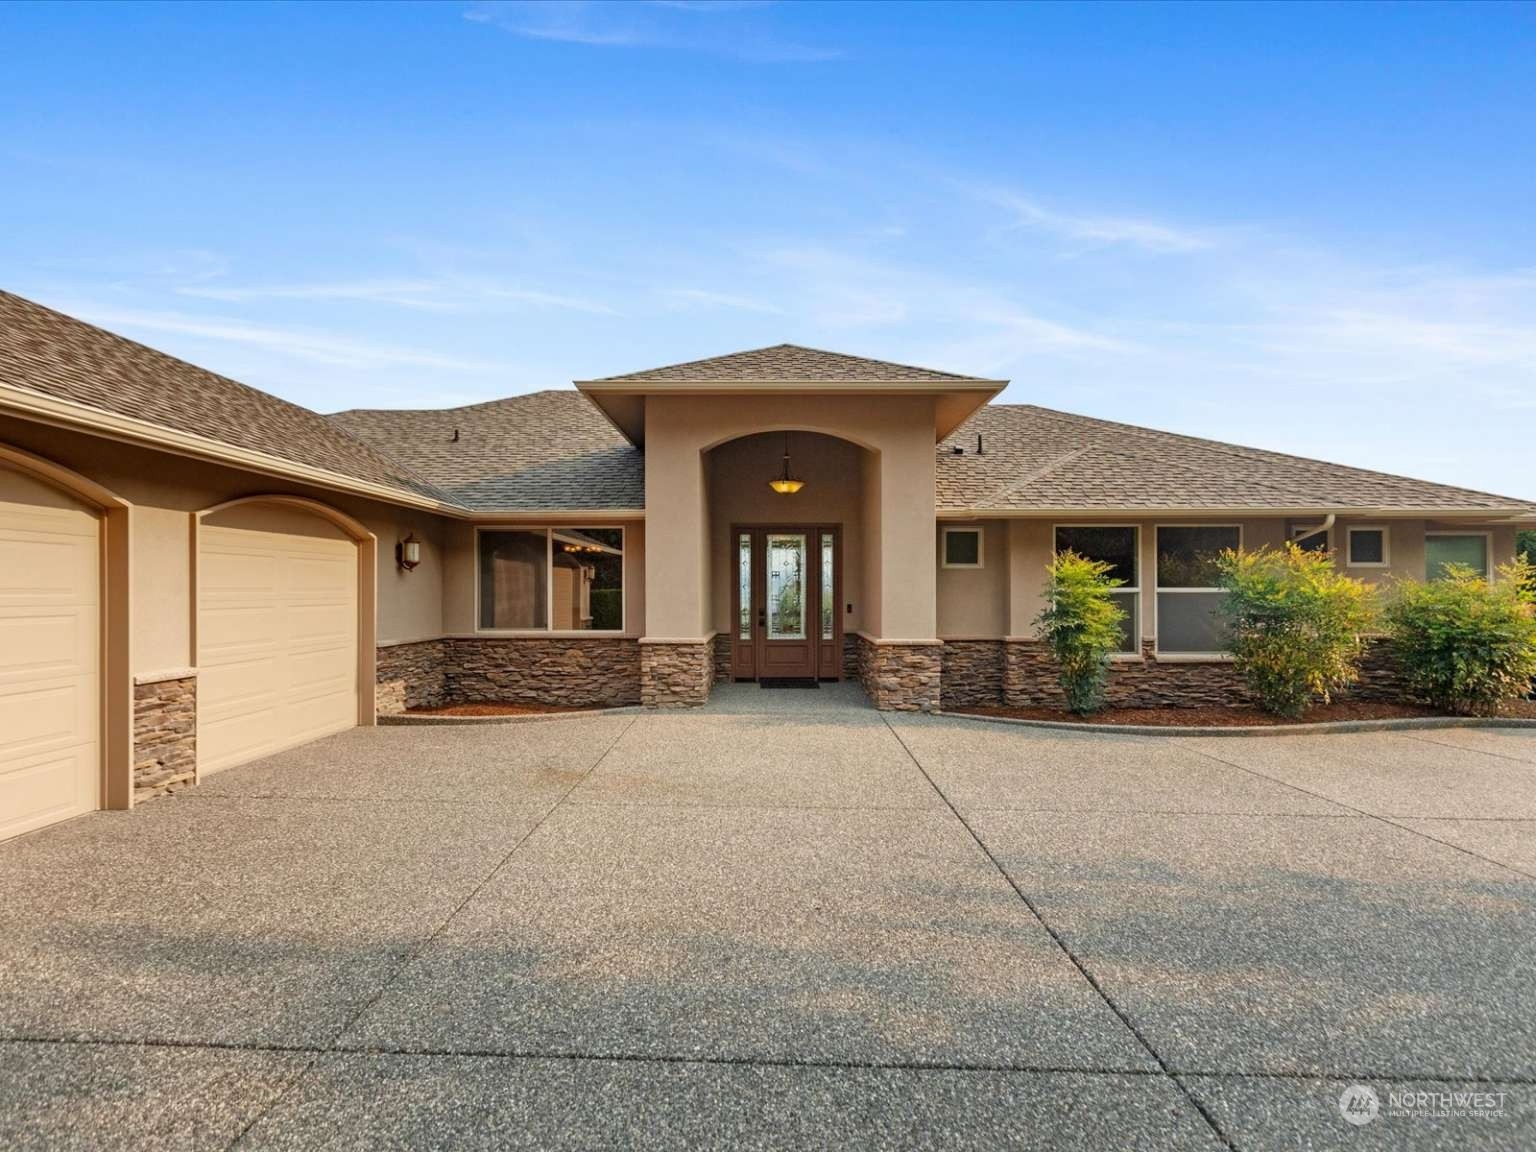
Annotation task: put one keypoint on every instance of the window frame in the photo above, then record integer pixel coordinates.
(1300, 532)
(1487, 536)
(1386, 546)
(549, 531)
(981, 545)
(1158, 590)
(1137, 588)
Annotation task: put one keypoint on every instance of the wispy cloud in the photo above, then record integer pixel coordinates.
(430, 295)
(1096, 230)
(304, 344)
(692, 25)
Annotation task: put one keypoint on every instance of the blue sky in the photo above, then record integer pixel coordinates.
(1306, 227)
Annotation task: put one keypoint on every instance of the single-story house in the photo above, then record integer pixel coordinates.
(196, 573)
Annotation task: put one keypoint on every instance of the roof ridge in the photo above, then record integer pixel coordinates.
(664, 371)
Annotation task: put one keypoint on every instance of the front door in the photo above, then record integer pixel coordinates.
(786, 596)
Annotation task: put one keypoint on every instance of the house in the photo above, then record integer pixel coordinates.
(196, 573)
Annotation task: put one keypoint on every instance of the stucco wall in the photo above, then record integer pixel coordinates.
(168, 490)
(739, 472)
(897, 429)
(974, 601)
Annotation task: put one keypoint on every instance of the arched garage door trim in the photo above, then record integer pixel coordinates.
(367, 569)
(116, 785)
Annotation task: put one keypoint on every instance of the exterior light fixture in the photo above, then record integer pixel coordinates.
(786, 485)
(408, 552)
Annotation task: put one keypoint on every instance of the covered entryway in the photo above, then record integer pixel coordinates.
(277, 630)
(50, 654)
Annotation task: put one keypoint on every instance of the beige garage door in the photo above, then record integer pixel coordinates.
(50, 652)
(276, 633)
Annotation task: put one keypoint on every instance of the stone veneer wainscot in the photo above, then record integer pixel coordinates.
(901, 677)
(676, 674)
(164, 734)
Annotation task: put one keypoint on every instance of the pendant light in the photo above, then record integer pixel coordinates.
(786, 485)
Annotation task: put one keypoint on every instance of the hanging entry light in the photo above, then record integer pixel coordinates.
(786, 484)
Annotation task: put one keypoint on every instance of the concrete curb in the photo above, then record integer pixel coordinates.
(408, 720)
(1334, 727)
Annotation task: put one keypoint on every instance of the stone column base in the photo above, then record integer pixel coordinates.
(901, 676)
(676, 673)
(164, 736)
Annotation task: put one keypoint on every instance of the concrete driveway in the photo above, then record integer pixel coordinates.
(785, 921)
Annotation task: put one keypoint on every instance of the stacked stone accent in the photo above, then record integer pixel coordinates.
(850, 656)
(410, 676)
(1030, 680)
(973, 672)
(676, 675)
(723, 657)
(901, 677)
(596, 672)
(1381, 676)
(164, 736)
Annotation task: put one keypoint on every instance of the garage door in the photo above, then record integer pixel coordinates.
(50, 652)
(276, 633)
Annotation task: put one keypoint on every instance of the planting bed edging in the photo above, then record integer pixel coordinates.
(1323, 728)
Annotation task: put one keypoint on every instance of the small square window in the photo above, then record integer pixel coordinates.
(1367, 547)
(962, 548)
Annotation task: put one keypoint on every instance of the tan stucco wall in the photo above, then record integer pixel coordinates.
(168, 490)
(973, 602)
(898, 430)
(738, 475)
(460, 568)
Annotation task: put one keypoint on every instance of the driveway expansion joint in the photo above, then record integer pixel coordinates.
(1066, 950)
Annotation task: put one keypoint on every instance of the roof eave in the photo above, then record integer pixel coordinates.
(1512, 516)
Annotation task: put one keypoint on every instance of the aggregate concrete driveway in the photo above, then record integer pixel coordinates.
(784, 921)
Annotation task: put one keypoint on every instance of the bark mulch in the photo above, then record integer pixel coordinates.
(1241, 716)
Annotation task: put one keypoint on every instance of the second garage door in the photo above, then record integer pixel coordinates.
(276, 633)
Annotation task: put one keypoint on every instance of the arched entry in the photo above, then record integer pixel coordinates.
(65, 707)
(284, 627)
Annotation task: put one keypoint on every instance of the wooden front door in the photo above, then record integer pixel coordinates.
(786, 598)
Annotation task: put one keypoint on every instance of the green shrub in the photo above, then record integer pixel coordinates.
(1082, 625)
(1296, 624)
(1466, 645)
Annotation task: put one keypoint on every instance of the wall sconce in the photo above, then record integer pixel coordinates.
(408, 552)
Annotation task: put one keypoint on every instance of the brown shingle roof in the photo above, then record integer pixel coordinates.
(48, 352)
(787, 362)
(540, 451)
(1040, 458)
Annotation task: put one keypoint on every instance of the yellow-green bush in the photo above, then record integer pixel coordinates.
(1296, 625)
(1466, 645)
(1082, 625)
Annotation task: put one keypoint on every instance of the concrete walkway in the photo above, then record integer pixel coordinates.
(784, 920)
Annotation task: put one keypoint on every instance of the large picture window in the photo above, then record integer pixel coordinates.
(1469, 549)
(1188, 596)
(1115, 546)
(552, 579)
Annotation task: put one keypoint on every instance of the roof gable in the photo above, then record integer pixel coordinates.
(788, 363)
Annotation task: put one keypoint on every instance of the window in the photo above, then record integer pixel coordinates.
(1368, 548)
(1115, 546)
(1188, 599)
(1309, 539)
(1466, 548)
(560, 579)
(962, 548)
(828, 587)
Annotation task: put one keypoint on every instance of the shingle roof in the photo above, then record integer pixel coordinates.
(788, 362)
(48, 352)
(1040, 458)
(539, 451)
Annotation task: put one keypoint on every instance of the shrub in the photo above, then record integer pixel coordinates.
(1466, 645)
(1082, 624)
(1295, 624)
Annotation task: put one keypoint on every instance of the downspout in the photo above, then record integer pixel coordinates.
(1303, 532)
